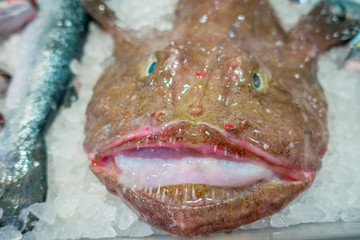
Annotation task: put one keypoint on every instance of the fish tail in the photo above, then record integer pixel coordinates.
(327, 25)
(23, 179)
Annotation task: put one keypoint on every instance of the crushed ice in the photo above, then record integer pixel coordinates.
(78, 206)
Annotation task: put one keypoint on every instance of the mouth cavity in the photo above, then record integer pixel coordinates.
(154, 167)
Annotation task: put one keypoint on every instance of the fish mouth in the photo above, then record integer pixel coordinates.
(176, 141)
(165, 156)
(187, 187)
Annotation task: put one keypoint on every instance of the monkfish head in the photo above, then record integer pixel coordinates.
(213, 125)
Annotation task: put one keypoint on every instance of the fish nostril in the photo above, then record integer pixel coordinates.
(195, 110)
(228, 127)
(159, 113)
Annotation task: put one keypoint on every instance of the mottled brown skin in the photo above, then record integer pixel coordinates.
(203, 83)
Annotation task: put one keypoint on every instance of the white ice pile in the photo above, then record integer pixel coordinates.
(78, 205)
(140, 14)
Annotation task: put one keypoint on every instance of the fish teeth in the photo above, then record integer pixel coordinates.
(158, 193)
(215, 147)
(150, 191)
(228, 195)
(223, 194)
(146, 189)
(193, 194)
(225, 152)
(186, 193)
(234, 193)
(163, 195)
(205, 198)
(176, 192)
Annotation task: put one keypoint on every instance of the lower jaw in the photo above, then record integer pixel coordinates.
(188, 210)
(200, 210)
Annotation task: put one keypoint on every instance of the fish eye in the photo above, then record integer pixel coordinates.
(259, 81)
(152, 67)
(149, 66)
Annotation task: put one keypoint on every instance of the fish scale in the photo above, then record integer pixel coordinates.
(23, 155)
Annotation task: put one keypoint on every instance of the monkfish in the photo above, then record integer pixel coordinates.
(217, 123)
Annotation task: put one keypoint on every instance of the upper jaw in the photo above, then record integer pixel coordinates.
(208, 141)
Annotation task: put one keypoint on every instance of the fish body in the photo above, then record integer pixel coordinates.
(14, 15)
(217, 123)
(22, 146)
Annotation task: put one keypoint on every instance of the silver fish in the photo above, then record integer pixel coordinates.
(23, 156)
(14, 15)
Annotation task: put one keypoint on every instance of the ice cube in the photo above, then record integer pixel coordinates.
(42, 231)
(98, 229)
(70, 229)
(10, 233)
(351, 215)
(66, 202)
(44, 211)
(125, 217)
(137, 229)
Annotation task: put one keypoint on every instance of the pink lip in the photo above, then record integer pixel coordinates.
(284, 170)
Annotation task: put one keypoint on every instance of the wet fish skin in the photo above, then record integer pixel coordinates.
(201, 96)
(22, 146)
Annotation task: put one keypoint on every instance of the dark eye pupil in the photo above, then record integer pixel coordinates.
(256, 80)
(152, 67)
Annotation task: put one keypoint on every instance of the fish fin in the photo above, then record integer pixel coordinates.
(23, 179)
(107, 19)
(102, 14)
(324, 27)
(71, 95)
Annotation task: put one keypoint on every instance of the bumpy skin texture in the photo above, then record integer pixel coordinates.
(201, 93)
